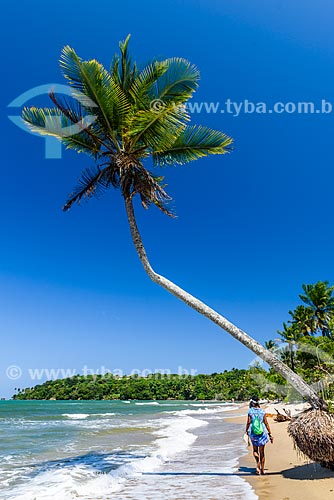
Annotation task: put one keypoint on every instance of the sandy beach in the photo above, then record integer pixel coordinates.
(288, 475)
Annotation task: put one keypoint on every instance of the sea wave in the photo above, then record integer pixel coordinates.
(76, 416)
(211, 404)
(82, 416)
(151, 403)
(202, 411)
(81, 480)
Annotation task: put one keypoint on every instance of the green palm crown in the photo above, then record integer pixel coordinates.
(121, 118)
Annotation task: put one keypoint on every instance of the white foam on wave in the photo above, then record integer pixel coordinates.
(211, 404)
(82, 481)
(203, 411)
(67, 483)
(177, 436)
(175, 404)
(83, 416)
(76, 416)
(154, 403)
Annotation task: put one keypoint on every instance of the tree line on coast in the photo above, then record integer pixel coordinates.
(305, 344)
(234, 384)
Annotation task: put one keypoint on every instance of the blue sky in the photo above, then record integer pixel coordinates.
(251, 228)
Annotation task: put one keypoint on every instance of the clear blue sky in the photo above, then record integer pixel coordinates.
(251, 227)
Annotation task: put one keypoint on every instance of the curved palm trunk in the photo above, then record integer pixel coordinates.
(199, 306)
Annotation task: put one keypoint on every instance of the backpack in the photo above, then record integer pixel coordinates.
(257, 426)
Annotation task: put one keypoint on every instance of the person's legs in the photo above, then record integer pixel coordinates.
(257, 459)
(262, 458)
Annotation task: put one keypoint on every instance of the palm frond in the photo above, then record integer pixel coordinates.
(144, 81)
(93, 181)
(127, 70)
(45, 121)
(81, 143)
(75, 112)
(179, 82)
(156, 129)
(52, 122)
(194, 142)
(96, 90)
(114, 69)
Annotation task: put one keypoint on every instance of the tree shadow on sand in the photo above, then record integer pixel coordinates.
(242, 471)
(302, 472)
(308, 471)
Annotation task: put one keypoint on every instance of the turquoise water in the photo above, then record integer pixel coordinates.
(101, 450)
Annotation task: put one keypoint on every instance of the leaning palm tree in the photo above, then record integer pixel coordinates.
(122, 118)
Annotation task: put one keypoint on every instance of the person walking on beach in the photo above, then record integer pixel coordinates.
(259, 432)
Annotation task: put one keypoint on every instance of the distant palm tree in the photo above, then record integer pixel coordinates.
(290, 336)
(303, 320)
(139, 114)
(319, 298)
(271, 346)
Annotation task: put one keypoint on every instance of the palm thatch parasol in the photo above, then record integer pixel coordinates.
(313, 434)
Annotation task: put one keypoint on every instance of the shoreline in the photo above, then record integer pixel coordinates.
(289, 476)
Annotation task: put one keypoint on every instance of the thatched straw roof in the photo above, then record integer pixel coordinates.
(313, 434)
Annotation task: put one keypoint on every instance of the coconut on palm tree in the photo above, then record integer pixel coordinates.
(124, 117)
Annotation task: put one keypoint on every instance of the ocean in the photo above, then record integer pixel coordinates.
(101, 450)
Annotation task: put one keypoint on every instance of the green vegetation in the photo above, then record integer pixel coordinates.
(234, 384)
(306, 342)
(306, 345)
